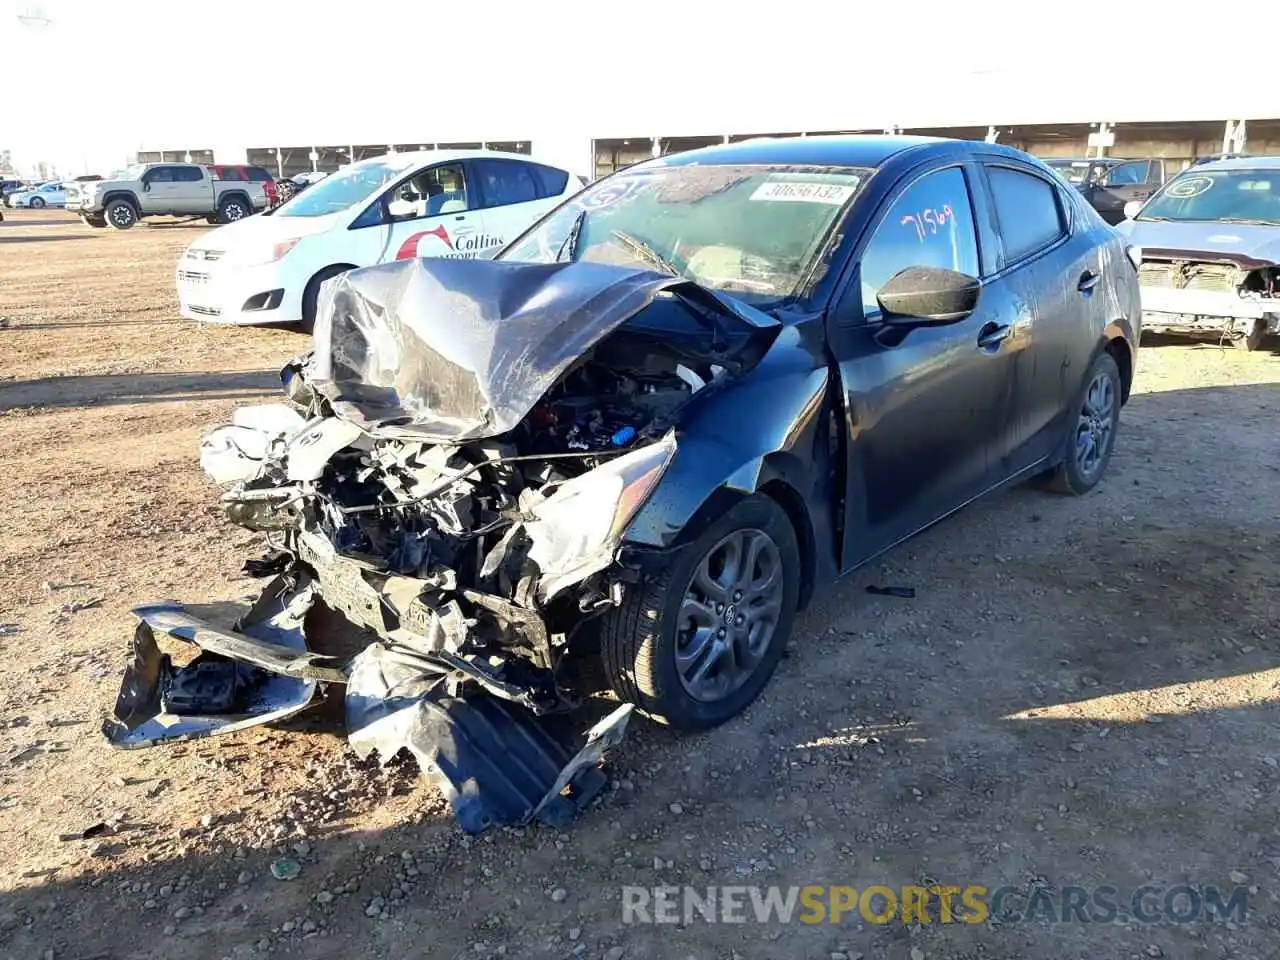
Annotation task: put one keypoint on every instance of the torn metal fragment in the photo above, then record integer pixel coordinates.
(257, 673)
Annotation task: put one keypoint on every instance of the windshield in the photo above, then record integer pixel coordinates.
(756, 232)
(1237, 196)
(341, 190)
(1072, 171)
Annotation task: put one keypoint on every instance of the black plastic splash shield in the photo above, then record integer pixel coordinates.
(494, 760)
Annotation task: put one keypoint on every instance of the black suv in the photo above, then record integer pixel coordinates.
(1108, 183)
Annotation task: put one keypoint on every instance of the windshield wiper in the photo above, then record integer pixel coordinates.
(570, 244)
(648, 253)
(1256, 220)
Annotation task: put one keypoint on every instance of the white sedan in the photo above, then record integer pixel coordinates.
(45, 195)
(269, 268)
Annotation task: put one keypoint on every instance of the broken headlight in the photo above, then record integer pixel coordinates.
(577, 529)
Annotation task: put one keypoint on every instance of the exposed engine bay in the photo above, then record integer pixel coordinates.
(450, 483)
(1187, 295)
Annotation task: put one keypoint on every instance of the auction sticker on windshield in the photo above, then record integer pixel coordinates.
(1190, 187)
(804, 191)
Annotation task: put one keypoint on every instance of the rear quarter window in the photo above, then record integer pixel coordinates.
(550, 181)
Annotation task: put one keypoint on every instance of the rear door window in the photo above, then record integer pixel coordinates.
(504, 182)
(187, 174)
(1029, 211)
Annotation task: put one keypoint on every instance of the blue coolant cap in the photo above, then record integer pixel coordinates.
(623, 436)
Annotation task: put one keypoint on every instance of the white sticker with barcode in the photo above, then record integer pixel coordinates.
(803, 192)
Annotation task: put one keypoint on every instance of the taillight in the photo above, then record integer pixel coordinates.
(1135, 256)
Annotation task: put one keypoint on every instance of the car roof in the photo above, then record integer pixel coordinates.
(418, 158)
(1240, 163)
(845, 150)
(853, 150)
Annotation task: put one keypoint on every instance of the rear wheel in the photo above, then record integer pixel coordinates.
(233, 209)
(1093, 430)
(120, 214)
(695, 644)
(1253, 339)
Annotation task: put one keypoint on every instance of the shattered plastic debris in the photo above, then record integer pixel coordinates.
(285, 868)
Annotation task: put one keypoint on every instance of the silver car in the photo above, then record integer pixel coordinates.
(1210, 242)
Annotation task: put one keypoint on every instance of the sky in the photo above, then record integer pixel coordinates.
(105, 77)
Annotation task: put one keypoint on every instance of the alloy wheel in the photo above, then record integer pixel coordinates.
(1096, 426)
(729, 614)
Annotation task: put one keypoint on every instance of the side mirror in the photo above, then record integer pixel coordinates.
(1132, 208)
(928, 297)
(401, 209)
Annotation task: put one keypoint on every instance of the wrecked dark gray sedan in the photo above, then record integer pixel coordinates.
(621, 456)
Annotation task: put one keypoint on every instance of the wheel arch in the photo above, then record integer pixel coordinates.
(1116, 341)
(240, 195)
(779, 477)
(126, 195)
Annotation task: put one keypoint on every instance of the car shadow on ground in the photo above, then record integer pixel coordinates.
(133, 388)
(46, 238)
(1118, 729)
(13, 219)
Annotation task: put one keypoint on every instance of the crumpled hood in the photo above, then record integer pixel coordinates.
(450, 350)
(1237, 242)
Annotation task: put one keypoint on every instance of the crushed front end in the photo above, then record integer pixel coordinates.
(1183, 293)
(443, 500)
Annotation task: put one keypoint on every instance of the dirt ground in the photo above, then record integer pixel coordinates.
(1083, 692)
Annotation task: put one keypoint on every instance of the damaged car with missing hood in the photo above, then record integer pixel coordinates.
(614, 462)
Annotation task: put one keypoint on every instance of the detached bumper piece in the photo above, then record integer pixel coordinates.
(254, 673)
(494, 760)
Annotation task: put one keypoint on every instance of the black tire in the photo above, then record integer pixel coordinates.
(1252, 340)
(639, 640)
(311, 295)
(1073, 476)
(120, 214)
(36, 203)
(232, 209)
(95, 222)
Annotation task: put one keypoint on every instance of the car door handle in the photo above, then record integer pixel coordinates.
(1088, 280)
(993, 334)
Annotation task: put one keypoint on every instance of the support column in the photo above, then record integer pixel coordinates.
(279, 164)
(655, 149)
(1235, 136)
(315, 161)
(992, 134)
(1102, 138)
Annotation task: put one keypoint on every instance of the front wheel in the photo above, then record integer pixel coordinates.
(89, 221)
(695, 644)
(35, 203)
(1093, 426)
(120, 214)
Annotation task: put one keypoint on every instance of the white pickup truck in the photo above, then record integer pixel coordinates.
(164, 189)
